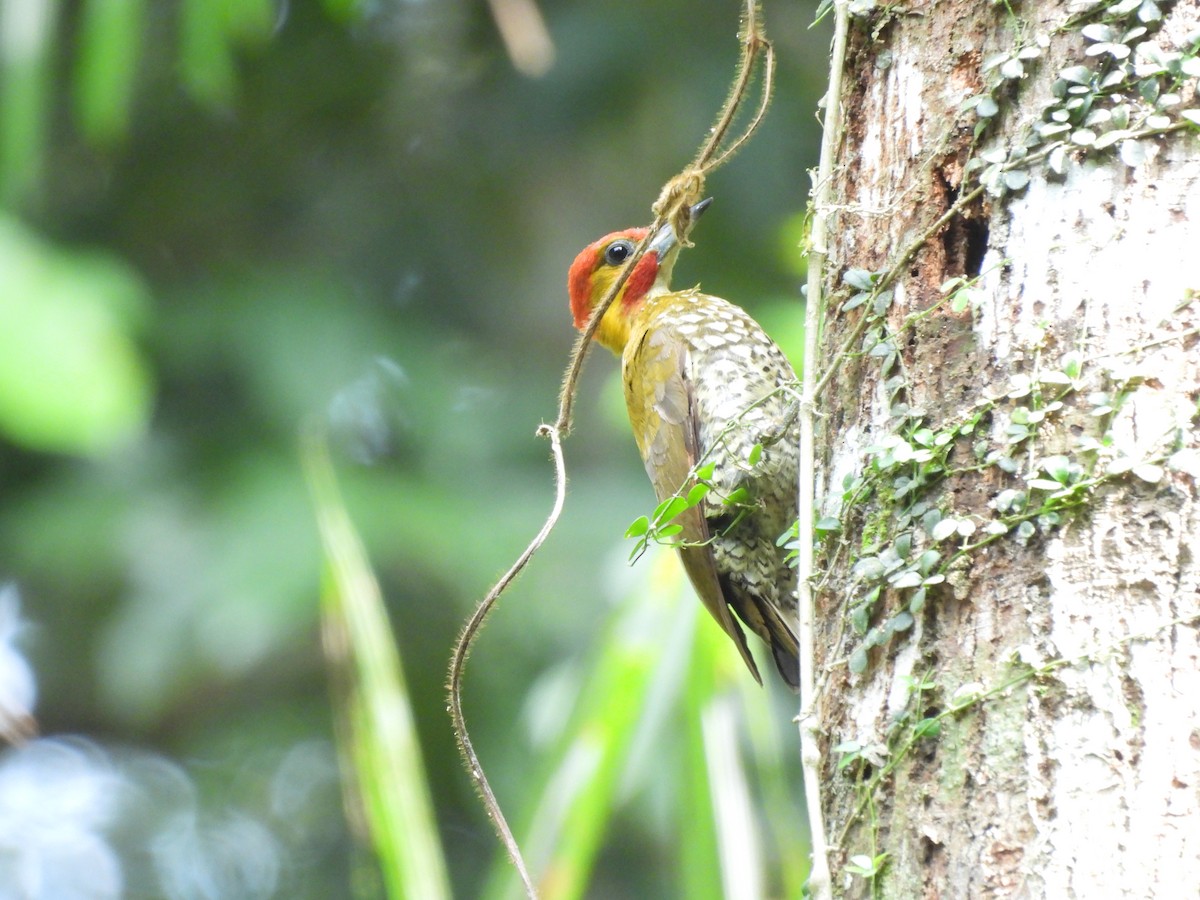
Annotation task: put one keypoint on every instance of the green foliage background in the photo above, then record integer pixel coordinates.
(219, 219)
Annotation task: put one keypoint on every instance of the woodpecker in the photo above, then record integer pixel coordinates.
(704, 384)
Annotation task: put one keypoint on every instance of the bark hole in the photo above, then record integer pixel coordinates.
(977, 244)
(965, 242)
(965, 238)
(929, 850)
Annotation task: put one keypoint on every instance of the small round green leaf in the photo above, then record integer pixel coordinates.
(639, 527)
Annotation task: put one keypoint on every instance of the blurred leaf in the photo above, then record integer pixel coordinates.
(792, 238)
(718, 808)
(311, 228)
(71, 378)
(700, 852)
(665, 708)
(345, 10)
(219, 585)
(206, 49)
(573, 811)
(26, 38)
(109, 47)
(376, 732)
(249, 20)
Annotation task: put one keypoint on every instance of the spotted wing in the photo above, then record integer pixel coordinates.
(662, 409)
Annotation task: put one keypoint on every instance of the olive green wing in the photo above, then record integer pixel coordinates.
(662, 411)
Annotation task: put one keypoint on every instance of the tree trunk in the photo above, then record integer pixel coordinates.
(1008, 608)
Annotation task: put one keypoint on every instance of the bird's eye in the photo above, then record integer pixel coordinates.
(617, 252)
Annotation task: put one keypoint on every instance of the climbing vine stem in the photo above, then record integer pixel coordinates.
(808, 719)
(674, 202)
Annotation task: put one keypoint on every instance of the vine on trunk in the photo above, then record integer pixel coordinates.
(1128, 89)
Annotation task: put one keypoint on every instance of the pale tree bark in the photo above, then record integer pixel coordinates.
(1009, 616)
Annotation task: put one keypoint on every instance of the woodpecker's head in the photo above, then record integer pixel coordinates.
(597, 267)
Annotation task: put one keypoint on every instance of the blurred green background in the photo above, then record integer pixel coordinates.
(219, 218)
